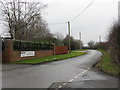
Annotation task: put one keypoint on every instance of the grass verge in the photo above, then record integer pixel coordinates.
(49, 58)
(106, 65)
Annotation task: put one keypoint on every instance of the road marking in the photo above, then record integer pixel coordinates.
(60, 87)
(71, 80)
(64, 83)
(84, 72)
(75, 76)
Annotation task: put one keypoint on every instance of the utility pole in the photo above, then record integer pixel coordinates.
(69, 35)
(119, 10)
(80, 41)
(99, 38)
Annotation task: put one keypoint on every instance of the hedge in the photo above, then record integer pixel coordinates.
(27, 46)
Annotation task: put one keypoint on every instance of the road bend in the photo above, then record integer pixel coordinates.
(69, 73)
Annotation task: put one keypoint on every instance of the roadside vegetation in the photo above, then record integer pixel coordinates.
(111, 51)
(50, 58)
(106, 65)
(110, 61)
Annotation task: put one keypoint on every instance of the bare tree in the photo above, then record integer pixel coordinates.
(24, 19)
(59, 38)
(114, 42)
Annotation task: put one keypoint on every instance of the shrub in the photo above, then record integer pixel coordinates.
(27, 46)
(114, 42)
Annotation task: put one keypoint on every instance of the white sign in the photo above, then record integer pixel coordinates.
(27, 53)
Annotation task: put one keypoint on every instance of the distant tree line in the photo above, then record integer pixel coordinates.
(64, 41)
(75, 44)
(98, 45)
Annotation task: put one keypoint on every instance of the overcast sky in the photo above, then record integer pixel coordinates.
(95, 21)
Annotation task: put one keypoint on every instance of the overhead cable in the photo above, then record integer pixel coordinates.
(83, 11)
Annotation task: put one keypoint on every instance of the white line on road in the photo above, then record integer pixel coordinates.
(71, 80)
(60, 87)
(84, 72)
(64, 83)
(75, 77)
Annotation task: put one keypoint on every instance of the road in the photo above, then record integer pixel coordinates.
(70, 73)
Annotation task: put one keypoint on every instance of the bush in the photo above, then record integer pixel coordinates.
(114, 42)
(27, 46)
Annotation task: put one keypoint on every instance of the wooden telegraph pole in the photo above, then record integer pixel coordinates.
(69, 35)
(99, 38)
(80, 41)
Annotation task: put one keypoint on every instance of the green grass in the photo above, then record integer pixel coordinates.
(106, 65)
(49, 58)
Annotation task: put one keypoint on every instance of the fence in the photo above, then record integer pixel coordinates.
(60, 49)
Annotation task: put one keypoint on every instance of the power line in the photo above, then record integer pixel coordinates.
(83, 11)
(76, 16)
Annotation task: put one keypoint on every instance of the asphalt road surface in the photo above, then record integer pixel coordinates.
(70, 73)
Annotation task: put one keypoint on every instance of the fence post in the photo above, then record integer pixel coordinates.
(8, 50)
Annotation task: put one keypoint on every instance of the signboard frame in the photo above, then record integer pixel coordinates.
(27, 53)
